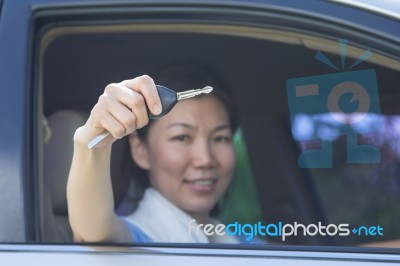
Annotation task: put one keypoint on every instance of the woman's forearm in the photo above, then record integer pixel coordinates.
(120, 110)
(90, 196)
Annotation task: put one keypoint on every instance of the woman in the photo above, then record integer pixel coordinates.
(188, 156)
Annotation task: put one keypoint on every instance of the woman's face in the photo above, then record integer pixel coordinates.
(190, 156)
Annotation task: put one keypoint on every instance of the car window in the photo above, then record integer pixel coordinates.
(274, 188)
(370, 189)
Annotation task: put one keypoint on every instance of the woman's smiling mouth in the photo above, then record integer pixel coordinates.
(202, 184)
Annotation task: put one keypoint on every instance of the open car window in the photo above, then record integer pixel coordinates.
(281, 80)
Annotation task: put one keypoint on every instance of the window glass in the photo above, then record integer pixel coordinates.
(358, 194)
(345, 121)
(269, 186)
(242, 204)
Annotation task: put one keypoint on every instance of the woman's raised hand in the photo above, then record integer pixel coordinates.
(121, 109)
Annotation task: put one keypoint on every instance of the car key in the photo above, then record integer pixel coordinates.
(168, 99)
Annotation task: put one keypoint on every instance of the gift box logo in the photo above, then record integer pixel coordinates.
(340, 95)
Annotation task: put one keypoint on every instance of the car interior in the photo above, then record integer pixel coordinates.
(76, 63)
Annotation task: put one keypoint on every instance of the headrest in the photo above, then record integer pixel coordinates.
(58, 154)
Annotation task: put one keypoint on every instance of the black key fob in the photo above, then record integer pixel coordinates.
(168, 99)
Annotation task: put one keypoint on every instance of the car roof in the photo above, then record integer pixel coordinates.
(389, 8)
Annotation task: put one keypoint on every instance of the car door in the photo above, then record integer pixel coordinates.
(256, 46)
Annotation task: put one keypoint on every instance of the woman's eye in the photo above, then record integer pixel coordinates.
(223, 139)
(181, 138)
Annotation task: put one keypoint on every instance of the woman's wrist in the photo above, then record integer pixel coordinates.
(83, 136)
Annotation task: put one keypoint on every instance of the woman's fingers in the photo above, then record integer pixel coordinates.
(147, 88)
(123, 107)
(131, 119)
(112, 125)
(136, 104)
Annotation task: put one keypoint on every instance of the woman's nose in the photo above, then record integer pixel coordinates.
(203, 155)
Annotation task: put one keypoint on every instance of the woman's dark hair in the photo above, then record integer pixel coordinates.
(181, 77)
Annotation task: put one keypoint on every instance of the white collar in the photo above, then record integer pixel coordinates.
(162, 221)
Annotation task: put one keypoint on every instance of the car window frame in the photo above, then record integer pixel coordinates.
(38, 12)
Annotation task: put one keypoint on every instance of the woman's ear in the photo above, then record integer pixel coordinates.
(139, 151)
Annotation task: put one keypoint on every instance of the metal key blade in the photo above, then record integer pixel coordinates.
(97, 139)
(192, 93)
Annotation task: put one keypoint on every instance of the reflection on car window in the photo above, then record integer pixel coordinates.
(360, 194)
